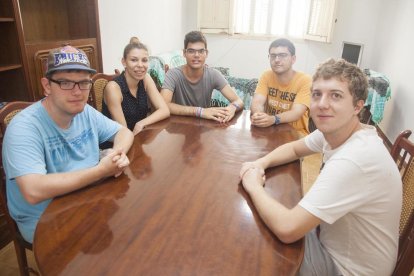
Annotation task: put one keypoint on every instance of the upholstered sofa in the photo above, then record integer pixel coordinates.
(161, 63)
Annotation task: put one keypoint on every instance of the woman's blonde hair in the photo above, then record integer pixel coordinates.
(134, 43)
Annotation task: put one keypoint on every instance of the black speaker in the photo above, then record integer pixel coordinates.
(352, 52)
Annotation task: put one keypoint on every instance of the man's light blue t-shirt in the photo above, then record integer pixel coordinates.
(34, 144)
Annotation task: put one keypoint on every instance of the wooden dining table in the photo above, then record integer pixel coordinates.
(178, 209)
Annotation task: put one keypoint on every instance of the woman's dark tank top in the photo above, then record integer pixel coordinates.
(135, 109)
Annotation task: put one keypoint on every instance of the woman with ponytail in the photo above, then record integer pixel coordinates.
(127, 99)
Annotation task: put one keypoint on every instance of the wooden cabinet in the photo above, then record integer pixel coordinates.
(13, 84)
(29, 29)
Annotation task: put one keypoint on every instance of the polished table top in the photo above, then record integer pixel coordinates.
(179, 209)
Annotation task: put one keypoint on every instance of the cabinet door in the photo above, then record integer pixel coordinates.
(12, 71)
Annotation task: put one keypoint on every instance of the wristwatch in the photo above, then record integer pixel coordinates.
(277, 120)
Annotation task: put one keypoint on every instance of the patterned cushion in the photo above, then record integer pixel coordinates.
(156, 70)
(224, 70)
(244, 89)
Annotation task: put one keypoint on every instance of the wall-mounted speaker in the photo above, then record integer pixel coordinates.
(352, 52)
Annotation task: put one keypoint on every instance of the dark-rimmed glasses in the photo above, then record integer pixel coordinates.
(192, 51)
(278, 56)
(69, 85)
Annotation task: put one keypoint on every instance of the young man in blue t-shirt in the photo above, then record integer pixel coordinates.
(52, 147)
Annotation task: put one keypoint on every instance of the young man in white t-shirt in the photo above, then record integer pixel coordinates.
(356, 199)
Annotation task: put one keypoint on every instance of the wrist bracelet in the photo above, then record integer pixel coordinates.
(277, 120)
(199, 112)
(236, 105)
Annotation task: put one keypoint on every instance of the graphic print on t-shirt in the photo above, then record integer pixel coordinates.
(279, 101)
(60, 148)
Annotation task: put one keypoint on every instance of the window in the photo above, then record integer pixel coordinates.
(294, 18)
(321, 20)
(308, 19)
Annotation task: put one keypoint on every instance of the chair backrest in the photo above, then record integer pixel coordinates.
(9, 111)
(100, 81)
(403, 152)
(6, 115)
(20, 245)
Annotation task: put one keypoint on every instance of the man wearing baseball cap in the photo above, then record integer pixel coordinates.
(52, 147)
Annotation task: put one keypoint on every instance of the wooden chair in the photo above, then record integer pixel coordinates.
(6, 115)
(100, 80)
(403, 152)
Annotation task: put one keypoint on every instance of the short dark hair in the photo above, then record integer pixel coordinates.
(134, 43)
(193, 37)
(344, 71)
(283, 42)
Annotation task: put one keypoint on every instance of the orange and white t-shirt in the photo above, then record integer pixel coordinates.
(280, 98)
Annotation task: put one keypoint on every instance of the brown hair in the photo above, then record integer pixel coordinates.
(344, 71)
(283, 42)
(134, 43)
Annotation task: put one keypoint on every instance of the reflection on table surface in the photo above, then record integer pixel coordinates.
(179, 209)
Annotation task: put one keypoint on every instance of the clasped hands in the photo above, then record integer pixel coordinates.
(219, 114)
(252, 175)
(138, 128)
(261, 119)
(113, 162)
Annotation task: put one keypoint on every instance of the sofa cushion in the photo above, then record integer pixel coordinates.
(244, 88)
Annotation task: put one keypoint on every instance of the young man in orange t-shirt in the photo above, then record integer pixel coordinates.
(282, 94)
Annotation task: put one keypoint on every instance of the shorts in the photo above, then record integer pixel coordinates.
(317, 261)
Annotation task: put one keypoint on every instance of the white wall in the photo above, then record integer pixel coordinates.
(381, 26)
(394, 56)
(160, 24)
(248, 57)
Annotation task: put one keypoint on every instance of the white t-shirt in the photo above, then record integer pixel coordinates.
(358, 197)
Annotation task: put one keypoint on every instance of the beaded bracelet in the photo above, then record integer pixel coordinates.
(199, 112)
(236, 105)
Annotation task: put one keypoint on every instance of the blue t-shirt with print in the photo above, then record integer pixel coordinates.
(34, 144)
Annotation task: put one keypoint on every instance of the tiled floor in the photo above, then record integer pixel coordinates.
(8, 261)
(310, 170)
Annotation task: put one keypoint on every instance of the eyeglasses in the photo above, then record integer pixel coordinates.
(191, 51)
(279, 56)
(69, 85)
